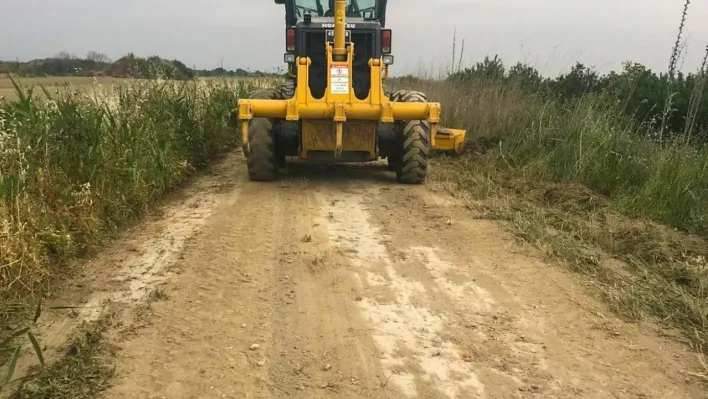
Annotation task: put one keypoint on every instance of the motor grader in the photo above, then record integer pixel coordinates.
(334, 106)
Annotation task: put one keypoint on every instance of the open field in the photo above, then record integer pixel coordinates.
(86, 84)
(53, 84)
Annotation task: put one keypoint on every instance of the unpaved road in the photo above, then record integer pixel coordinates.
(339, 283)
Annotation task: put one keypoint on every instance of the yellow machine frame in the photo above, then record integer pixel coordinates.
(342, 106)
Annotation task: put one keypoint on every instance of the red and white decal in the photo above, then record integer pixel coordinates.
(339, 78)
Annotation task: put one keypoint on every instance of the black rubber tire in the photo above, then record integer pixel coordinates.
(414, 144)
(387, 91)
(262, 161)
(287, 89)
(408, 96)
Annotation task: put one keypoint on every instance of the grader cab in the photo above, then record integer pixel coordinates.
(335, 107)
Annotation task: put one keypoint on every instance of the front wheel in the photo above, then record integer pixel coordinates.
(413, 167)
(414, 135)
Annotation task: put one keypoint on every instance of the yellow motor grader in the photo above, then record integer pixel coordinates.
(334, 106)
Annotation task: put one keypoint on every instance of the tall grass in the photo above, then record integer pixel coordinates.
(76, 164)
(588, 141)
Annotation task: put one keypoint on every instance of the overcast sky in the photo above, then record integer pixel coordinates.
(549, 34)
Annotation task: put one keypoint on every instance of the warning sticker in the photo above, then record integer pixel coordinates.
(339, 78)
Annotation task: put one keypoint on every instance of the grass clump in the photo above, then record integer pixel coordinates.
(83, 372)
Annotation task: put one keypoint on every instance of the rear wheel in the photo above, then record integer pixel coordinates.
(287, 89)
(387, 91)
(263, 161)
(414, 143)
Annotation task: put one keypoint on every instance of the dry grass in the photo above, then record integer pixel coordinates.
(63, 84)
(82, 373)
(57, 84)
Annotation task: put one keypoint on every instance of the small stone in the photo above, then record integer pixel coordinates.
(255, 346)
(243, 325)
(261, 363)
(327, 367)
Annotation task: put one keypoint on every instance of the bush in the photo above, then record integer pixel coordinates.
(588, 140)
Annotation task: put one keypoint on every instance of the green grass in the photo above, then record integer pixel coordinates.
(76, 166)
(587, 141)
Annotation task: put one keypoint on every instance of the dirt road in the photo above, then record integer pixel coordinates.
(339, 283)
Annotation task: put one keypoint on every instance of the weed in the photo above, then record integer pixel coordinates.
(319, 262)
(82, 372)
(158, 294)
(6, 345)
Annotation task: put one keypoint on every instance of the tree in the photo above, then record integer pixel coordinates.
(525, 76)
(97, 57)
(66, 56)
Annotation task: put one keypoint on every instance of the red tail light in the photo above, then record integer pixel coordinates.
(386, 41)
(290, 39)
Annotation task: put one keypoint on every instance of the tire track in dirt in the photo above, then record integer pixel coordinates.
(338, 283)
(528, 328)
(406, 332)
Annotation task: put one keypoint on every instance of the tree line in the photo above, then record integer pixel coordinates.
(130, 65)
(638, 91)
